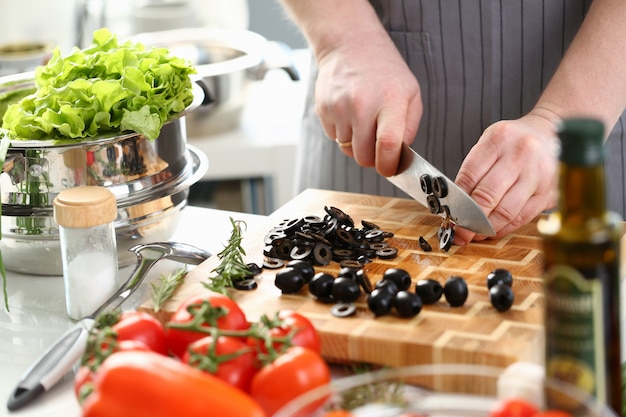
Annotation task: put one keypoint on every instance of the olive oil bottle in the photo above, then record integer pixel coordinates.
(581, 242)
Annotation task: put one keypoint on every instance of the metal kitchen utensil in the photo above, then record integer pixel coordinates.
(426, 184)
(59, 358)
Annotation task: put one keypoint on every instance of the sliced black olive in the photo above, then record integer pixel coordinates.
(446, 239)
(433, 204)
(455, 291)
(346, 290)
(246, 284)
(273, 263)
(440, 187)
(499, 275)
(322, 253)
(429, 290)
(254, 268)
(300, 251)
(426, 183)
(424, 245)
(321, 285)
(375, 235)
(306, 267)
(292, 225)
(501, 296)
(369, 225)
(407, 304)
(343, 310)
(388, 285)
(387, 253)
(380, 302)
(364, 259)
(399, 276)
(289, 280)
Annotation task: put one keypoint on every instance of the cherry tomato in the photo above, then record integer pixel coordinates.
(224, 314)
(514, 407)
(293, 373)
(142, 327)
(230, 359)
(298, 326)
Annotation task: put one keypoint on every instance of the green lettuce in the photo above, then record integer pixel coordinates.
(109, 87)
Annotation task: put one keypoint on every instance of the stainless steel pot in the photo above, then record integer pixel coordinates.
(150, 180)
(227, 61)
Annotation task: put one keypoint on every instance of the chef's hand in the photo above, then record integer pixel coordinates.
(512, 173)
(368, 100)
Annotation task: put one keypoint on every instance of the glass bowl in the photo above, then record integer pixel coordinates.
(448, 390)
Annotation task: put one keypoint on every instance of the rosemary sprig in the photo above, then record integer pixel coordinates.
(162, 292)
(4, 148)
(232, 266)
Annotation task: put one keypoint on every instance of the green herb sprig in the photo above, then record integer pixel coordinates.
(163, 291)
(232, 266)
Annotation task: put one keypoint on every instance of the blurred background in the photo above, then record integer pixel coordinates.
(250, 149)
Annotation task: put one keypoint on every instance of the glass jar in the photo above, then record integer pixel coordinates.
(86, 216)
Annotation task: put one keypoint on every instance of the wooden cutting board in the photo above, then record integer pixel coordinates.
(475, 333)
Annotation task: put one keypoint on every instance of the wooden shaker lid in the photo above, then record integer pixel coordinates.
(86, 206)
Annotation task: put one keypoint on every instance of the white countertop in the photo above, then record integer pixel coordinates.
(37, 313)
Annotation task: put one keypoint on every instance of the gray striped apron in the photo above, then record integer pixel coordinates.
(477, 62)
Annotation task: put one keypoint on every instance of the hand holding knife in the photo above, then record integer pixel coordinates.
(430, 187)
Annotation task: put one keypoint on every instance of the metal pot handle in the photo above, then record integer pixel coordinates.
(277, 55)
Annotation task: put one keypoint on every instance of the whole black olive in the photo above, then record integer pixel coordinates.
(307, 269)
(455, 291)
(499, 275)
(346, 290)
(501, 296)
(289, 280)
(380, 302)
(364, 281)
(387, 285)
(321, 285)
(399, 276)
(348, 272)
(429, 290)
(407, 304)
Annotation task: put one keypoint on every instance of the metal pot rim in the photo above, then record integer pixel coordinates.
(250, 43)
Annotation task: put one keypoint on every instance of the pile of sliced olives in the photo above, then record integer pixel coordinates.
(322, 240)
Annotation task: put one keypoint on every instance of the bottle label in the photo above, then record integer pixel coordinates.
(575, 351)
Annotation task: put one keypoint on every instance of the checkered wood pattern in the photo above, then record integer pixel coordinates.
(474, 333)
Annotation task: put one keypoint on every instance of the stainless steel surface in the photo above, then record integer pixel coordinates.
(462, 209)
(150, 180)
(227, 61)
(153, 219)
(59, 358)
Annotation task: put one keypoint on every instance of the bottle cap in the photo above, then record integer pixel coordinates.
(85, 206)
(582, 141)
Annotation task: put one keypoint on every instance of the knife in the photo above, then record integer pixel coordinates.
(59, 358)
(429, 186)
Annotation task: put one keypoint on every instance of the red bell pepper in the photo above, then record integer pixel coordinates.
(138, 384)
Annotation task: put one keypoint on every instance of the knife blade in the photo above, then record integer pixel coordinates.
(426, 184)
(58, 359)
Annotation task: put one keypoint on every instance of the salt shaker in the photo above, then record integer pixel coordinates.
(85, 216)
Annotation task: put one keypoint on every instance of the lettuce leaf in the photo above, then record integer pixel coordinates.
(109, 87)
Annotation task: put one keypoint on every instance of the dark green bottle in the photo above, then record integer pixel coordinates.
(581, 272)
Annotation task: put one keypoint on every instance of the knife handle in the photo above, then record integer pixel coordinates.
(52, 365)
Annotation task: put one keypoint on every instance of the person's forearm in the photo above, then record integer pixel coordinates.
(591, 79)
(327, 24)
